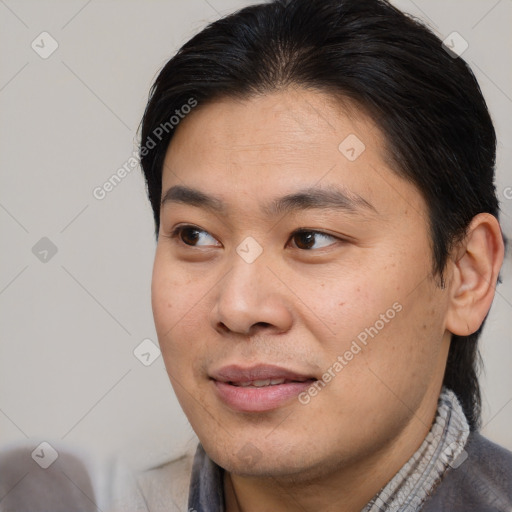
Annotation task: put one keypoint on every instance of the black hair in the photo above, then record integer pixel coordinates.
(425, 100)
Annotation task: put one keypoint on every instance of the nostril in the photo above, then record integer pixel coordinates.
(262, 324)
(223, 327)
(253, 329)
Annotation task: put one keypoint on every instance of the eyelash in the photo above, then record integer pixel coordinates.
(179, 230)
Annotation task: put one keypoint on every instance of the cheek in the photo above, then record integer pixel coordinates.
(407, 353)
(175, 298)
(392, 315)
(344, 304)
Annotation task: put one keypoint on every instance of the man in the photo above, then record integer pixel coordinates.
(321, 176)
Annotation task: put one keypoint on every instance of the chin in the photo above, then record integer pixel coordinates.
(264, 459)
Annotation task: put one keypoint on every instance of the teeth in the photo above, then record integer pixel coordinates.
(261, 383)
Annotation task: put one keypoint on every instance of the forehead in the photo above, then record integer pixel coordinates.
(271, 144)
(278, 124)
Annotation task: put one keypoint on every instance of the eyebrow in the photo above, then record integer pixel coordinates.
(309, 198)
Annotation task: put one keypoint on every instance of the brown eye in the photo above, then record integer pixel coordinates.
(189, 236)
(193, 236)
(306, 240)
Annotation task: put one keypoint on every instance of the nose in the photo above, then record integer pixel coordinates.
(250, 298)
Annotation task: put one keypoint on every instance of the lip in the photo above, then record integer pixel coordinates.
(228, 382)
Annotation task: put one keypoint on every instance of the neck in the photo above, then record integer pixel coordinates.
(347, 487)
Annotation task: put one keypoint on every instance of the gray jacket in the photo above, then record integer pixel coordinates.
(482, 483)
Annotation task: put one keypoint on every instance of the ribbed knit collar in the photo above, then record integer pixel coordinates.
(442, 448)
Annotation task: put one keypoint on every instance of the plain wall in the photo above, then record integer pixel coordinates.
(68, 122)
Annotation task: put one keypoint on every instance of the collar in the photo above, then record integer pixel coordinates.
(442, 448)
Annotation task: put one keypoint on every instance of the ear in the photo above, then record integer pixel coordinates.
(475, 267)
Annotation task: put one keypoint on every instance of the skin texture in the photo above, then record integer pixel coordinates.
(301, 307)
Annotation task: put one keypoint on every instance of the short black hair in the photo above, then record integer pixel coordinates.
(426, 101)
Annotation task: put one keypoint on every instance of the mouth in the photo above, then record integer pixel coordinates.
(263, 383)
(259, 388)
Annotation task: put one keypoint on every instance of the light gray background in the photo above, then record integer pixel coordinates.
(68, 122)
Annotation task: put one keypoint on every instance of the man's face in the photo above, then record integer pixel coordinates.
(300, 334)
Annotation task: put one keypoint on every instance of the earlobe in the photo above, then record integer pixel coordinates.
(476, 264)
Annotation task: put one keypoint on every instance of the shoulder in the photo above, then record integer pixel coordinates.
(482, 482)
(168, 483)
(159, 489)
